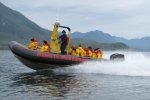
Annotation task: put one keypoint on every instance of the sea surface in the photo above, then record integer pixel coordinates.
(128, 80)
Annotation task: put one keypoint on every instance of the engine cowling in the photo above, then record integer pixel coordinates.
(117, 57)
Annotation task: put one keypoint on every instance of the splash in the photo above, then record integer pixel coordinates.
(135, 64)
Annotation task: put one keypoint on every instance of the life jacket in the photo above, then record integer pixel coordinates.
(73, 53)
(89, 52)
(69, 51)
(44, 48)
(33, 45)
(49, 48)
(99, 54)
(94, 54)
(77, 52)
(80, 51)
(86, 52)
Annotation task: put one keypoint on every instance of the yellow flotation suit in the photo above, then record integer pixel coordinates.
(80, 52)
(94, 55)
(54, 42)
(44, 48)
(33, 45)
(72, 52)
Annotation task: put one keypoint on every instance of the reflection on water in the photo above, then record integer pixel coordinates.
(17, 82)
(48, 83)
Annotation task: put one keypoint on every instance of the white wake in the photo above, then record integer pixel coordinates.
(135, 64)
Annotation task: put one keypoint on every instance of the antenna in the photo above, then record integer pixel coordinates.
(57, 14)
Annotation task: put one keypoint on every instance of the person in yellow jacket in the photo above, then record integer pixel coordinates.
(99, 55)
(94, 54)
(33, 45)
(45, 47)
(80, 51)
(72, 50)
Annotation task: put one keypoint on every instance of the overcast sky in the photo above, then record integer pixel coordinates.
(123, 18)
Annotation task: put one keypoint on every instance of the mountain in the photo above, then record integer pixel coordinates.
(103, 46)
(142, 43)
(99, 36)
(15, 26)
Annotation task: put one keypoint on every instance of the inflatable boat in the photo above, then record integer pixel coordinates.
(43, 60)
(38, 60)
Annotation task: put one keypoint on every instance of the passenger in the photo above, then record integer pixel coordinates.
(94, 54)
(86, 52)
(72, 50)
(89, 51)
(80, 51)
(33, 45)
(64, 42)
(99, 53)
(45, 47)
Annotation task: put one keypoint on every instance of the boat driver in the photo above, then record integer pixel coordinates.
(64, 41)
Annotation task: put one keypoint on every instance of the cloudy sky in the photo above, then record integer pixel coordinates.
(123, 18)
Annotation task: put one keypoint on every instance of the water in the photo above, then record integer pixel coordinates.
(128, 80)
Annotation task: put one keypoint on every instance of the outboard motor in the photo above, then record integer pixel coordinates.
(117, 57)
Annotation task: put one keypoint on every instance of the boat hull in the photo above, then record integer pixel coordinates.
(37, 60)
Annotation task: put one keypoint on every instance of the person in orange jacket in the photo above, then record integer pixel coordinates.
(45, 47)
(89, 51)
(99, 53)
(33, 45)
(86, 52)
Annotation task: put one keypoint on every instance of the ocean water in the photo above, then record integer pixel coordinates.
(127, 80)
